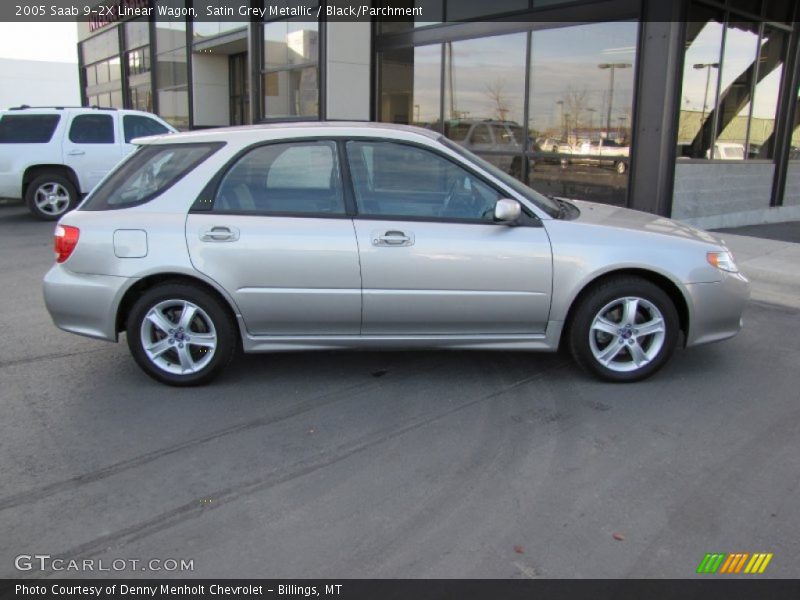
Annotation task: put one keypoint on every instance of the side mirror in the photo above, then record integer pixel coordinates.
(507, 211)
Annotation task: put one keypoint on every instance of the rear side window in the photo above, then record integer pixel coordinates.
(92, 129)
(148, 172)
(137, 126)
(299, 178)
(27, 129)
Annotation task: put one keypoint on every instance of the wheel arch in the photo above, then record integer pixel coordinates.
(148, 282)
(669, 286)
(34, 171)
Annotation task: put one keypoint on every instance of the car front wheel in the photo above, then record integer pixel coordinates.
(624, 330)
(180, 334)
(50, 195)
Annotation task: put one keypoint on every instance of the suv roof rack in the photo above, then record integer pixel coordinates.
(94, 106)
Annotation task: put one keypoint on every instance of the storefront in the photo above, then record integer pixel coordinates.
(686, 109)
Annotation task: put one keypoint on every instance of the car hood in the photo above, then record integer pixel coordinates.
(625, 218)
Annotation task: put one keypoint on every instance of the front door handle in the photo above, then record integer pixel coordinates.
(220, 233)
(76, 153)
(392, 237)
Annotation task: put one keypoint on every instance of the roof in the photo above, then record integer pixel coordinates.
(247, 133)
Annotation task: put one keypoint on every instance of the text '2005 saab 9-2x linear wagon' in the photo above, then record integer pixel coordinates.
(355, 235)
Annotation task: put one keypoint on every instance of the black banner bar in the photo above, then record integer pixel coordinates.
(389, 589)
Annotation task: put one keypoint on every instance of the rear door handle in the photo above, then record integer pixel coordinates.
(76, 153)
(220, 233)
(392, 237)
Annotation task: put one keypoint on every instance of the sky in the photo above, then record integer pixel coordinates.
(39, 41)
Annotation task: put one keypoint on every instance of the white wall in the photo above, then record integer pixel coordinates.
(38, 83)
(348, 74)
(210, 87)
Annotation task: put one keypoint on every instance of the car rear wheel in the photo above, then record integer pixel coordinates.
(624, 330)
(50, 195)
(621, 167)
(180, 334)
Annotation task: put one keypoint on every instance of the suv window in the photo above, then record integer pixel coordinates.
(138, 126)
(300, 178)
(399, 180)
(92, 129)
(481, 135)
(148, 172)
(27, 129)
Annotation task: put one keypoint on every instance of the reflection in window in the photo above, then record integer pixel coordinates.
(765, 101)
(290, 80)
(729, 98)
(484, 105)
(736, 79)
(581, 101)
(699, 93)
(791, 196)
(410, 86)
(172, 70)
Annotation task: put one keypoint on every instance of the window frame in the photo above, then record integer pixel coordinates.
(208, 197)
(204, 204)
(212, 147)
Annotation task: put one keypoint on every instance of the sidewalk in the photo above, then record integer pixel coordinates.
(773, 267)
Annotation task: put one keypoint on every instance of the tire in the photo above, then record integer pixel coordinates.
(610, 345)
(621, 167)
(178, 354)
(50, 195)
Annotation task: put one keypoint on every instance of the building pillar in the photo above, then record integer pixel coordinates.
(347, 61)
(658, 94)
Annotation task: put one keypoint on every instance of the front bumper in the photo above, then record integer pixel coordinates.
(84, 304)
(716, 309)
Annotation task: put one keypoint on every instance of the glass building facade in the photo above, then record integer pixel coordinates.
(687, 109)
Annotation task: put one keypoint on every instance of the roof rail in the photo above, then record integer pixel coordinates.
(94, 106)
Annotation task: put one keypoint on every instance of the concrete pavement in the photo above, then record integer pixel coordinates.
(773, 267)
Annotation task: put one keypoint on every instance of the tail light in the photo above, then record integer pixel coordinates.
(66, 239)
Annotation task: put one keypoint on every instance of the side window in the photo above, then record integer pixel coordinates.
(146, 173)
(398, 180)
(27, 129)
(138, 126)
(300, 178)
(92, 129)
(481, 135)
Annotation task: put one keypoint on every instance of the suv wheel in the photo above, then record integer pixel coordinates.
(180, 334)
(50, 195)
(624, 330)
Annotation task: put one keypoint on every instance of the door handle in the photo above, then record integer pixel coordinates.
(220, 233)
(76, 153)
(393, 237)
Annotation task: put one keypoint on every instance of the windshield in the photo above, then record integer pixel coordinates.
(546, 204)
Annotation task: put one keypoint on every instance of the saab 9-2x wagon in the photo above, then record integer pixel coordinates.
(353, 235)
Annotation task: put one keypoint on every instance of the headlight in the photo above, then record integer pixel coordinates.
(723, 261)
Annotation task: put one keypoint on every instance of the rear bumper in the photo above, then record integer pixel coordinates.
(716, 311)
(84, 304)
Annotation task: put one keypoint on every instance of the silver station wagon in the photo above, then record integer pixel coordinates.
(355, 235)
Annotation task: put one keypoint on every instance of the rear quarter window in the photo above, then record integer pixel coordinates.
(27, 129)
(138, 126)
(148, 172)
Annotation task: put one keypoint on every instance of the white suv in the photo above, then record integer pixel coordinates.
(52, 156)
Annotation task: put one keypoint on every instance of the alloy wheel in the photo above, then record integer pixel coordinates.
(178, 337)
(627, 334)
(52, 198)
